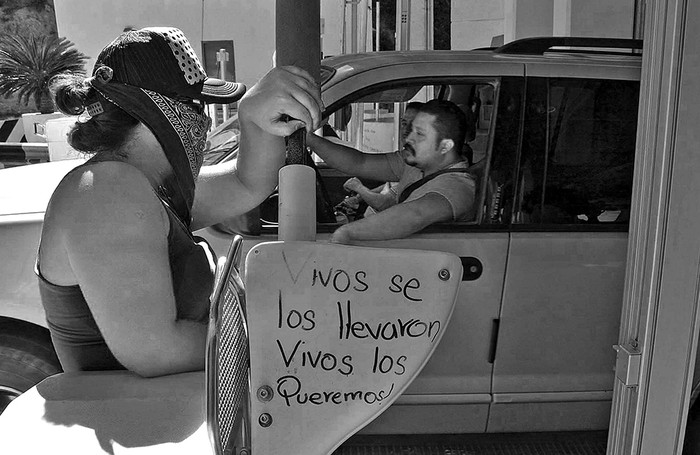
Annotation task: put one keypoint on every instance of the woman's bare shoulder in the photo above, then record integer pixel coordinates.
(107, 195)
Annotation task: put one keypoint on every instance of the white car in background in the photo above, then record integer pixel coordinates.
(529, 346)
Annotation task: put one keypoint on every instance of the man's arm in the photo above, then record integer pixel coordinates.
(398, 221)
(352, 161)
(376, 198)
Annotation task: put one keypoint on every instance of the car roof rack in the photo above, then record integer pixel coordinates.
(540, 45)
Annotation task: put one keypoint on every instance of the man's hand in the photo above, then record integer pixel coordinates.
(353, 184)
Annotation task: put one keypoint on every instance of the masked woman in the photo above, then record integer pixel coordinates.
(124, 283)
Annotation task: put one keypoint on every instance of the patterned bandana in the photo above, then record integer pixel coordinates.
(191, 125)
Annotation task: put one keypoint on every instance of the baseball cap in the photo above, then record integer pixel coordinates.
(162, 60)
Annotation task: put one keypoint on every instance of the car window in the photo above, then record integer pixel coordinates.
(578, 151)
(371, 123)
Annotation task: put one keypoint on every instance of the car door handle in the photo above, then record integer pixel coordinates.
(471, 268)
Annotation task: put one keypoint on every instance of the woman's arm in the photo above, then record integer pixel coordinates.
(285, 100)
(115, 234)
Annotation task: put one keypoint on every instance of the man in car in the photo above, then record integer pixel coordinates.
(383, 196)
(434, 184)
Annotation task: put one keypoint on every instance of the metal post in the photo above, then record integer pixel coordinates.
(298, 43)
(364, 18)
(343, 37)
(429, 25)
(298, 37)
(403, 43)
(353, 26)
(221, 59)
(377, 27)
(403, 25)
(638, 28)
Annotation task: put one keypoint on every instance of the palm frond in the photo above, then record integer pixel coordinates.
(28, 62)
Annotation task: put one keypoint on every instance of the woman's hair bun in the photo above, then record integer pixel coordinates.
(70, 93)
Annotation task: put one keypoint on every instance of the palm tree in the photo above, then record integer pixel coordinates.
(28, 62)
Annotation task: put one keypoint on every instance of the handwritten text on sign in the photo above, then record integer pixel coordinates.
(338, 332)
(349, 327)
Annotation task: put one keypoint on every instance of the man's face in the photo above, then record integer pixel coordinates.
(422, 146)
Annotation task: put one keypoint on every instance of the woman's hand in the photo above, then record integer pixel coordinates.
(285, 99)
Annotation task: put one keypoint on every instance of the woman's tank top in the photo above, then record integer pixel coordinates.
(77, 339)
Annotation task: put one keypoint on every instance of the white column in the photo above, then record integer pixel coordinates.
(510, 12)
(403, 25)
(561, 21)
(660, 316)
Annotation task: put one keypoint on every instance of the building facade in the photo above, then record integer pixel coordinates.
(247, 29)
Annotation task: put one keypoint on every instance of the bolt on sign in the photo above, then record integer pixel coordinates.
(336, 334)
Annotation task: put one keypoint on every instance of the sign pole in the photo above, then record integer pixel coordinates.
(221, 59)
(298, 43)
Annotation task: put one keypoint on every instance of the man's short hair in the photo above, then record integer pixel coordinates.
(415, 105)
(450, 121)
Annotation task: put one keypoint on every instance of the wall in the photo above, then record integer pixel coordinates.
(332, 26)
(533, 18)
(251, 26)
(606, 18)
(418, 37)
(476, 22)
(91, 24)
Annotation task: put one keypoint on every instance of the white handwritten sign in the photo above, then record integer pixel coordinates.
(336, 334)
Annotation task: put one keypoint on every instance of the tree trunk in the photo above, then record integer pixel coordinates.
(44, 103)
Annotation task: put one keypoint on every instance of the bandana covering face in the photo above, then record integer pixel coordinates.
(190, 124)
(181, 132)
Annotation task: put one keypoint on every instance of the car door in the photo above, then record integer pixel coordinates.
(452, 393)
(562, 297)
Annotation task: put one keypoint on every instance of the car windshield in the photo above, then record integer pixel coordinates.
(222, 142)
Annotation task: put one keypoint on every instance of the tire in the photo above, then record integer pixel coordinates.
(26, 358)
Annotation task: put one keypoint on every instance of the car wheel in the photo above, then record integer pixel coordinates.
(26, 357)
